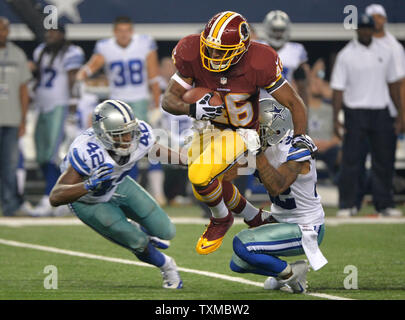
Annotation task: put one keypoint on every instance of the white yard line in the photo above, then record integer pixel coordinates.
(66, 221)
(141, 264)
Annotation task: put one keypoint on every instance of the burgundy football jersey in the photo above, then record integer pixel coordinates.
(239, 86)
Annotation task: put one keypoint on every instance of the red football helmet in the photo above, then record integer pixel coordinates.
(224, 40)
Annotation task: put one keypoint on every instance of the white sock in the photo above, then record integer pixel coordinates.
(285, 272)
(249, 212)
(220, 210)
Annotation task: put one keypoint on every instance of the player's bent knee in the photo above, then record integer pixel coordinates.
(128, 236)
(199, 175)
(235, 268)
(169, 233)
(240, 249)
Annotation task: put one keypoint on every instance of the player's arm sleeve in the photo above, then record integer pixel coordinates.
(37, 52)
(270, 78)
(152, 45)
(183, 66)
(395, 71)
(74, 59)
(339, 76)
(78, 163)
(147, 138)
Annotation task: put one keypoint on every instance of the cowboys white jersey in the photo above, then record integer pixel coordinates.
(53, 89)
(126, 67)
(300, 203)
(87, 153)
(292, 55)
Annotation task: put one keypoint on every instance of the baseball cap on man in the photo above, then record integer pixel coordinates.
(365, 21)
(376, 9)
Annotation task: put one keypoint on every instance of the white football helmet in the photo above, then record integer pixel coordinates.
(111, 121)
(275, 122)
(277, 27)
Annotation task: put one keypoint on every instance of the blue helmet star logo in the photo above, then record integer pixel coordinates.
(98, 118)
(278, 113)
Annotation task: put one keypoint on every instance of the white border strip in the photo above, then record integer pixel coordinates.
(142, 264)
(69, 221)
(176, 31)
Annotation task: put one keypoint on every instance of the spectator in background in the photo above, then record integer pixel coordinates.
(14, 100)
(361, 73)
(385, 38)
(56, 62)
(131, 64)
(320, 119)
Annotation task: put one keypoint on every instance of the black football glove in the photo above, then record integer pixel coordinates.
(202, 110)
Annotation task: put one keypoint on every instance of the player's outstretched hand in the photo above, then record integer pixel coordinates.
(202, 110)
(102, 173)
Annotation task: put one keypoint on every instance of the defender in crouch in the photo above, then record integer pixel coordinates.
(96, 185)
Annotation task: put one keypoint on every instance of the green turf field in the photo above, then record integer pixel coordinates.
(376, 250)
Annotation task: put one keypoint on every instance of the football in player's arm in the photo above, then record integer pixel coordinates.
(96, 185)
(297, 216)
(224, 59)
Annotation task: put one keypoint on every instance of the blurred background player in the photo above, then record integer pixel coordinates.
(131, 64)
(277, 28)
(224, 49)
(96, 185)
(177, 127)
(14, 99)
(56, 63)
(289, 175)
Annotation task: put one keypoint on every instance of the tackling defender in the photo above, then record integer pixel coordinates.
(96, 185)
(223, 59)
(289, 175)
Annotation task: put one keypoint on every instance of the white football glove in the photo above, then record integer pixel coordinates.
(202, 110)
(251, 139)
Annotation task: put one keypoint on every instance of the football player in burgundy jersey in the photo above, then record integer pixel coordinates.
(223, 59)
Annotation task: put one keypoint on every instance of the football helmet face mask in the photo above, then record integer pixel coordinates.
(275, 122)
(224, 40)
(116, 127)
(277, 26)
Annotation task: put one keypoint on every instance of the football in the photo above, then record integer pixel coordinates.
(196, 94)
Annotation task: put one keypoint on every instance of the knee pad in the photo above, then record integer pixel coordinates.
(129, 236)
(199, 174)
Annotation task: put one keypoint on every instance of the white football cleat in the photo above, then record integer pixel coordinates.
(271, 283)
(298, 281)
(42, 209)
(390, 212)
(346, 213)
(171, 277)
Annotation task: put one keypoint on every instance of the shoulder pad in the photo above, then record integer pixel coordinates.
(185, 53)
